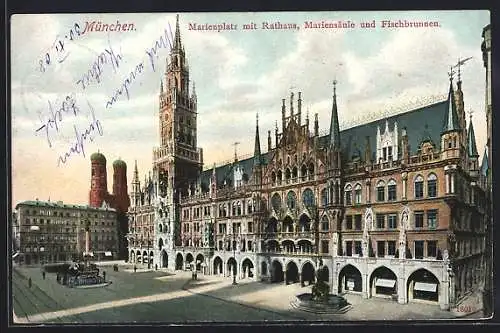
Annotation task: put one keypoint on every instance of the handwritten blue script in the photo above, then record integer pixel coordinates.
(68, 106)
(78, 147)
(165, 41)
(108, 56)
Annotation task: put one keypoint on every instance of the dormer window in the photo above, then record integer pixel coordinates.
(384, 154)
(389, 153)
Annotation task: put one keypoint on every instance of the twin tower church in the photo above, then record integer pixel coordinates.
(395, 208)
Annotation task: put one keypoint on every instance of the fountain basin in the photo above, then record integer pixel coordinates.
(334, 304)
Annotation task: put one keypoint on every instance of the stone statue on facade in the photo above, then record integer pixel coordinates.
(335, 243)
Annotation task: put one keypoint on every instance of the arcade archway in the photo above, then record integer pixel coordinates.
(200, 259)
(350, 279)
(232, 267)
(247, 268)
(164, 259)
(276, 272)
(179, 262)
(217, 265)
(189, 259)
(292, 273)
(423, 285)
(308, 276)
(383, 282)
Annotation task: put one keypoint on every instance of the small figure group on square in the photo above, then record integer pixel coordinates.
(194, 272)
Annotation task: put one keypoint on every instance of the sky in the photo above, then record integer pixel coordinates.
(238, 73)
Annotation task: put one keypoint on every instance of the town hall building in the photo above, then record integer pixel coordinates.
(394, 208)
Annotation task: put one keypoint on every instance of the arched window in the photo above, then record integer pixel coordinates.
(276, 201)
(380, 191)
(324, 197)
(250, 206)
(234, 209)
(348, 194)
(303, 172)
(273, 177)
(308, 197)
(432, 185)
(357, 194)
(160, 227)
(287, 174)
(325, 223)
(391, 190)
(239, 207)
(291, 200)
(294, 173)
(280, 177)
(311, 170)
(419, 187)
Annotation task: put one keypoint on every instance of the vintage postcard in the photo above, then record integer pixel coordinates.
(250, 167)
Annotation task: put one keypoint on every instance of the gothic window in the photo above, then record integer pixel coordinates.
(308, 197)
(249, 206)
(357, 194)
(276, 201)
(303, 172)
(324, 197)
(419, 187)
(311, 169)
(291, 200)
(280, 177)
(391, 190)
(239, 207)
(287, 174)
(380, 191)
(273, 177)
(325, 223)
(348, 194)
(294, 173)
(432, 185)
(389, 153)
(384, 154)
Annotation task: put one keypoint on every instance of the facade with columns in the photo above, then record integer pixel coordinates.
(394, 208)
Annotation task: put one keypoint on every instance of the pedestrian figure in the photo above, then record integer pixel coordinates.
(104, 275)
(43, 275)
(196, 275)
(58, 278)
(135, 268)
(29, 282)
(156, 267)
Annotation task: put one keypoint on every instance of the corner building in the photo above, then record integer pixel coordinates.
(394, 208)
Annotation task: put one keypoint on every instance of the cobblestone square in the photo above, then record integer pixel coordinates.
(160, 296)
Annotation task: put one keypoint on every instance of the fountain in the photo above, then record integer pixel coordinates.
(319, 300)
(87, 274)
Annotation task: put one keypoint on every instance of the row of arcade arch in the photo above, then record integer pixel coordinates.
(421, 285)
(141, 257)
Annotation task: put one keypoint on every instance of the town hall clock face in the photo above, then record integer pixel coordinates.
(276, 201)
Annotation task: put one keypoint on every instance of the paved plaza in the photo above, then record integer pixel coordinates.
(161, 296)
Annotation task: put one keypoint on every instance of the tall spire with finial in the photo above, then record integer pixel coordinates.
(334, 123)
(177, 41)
(471, 139)
(136, 173)
(256, 152)
(451, 117)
